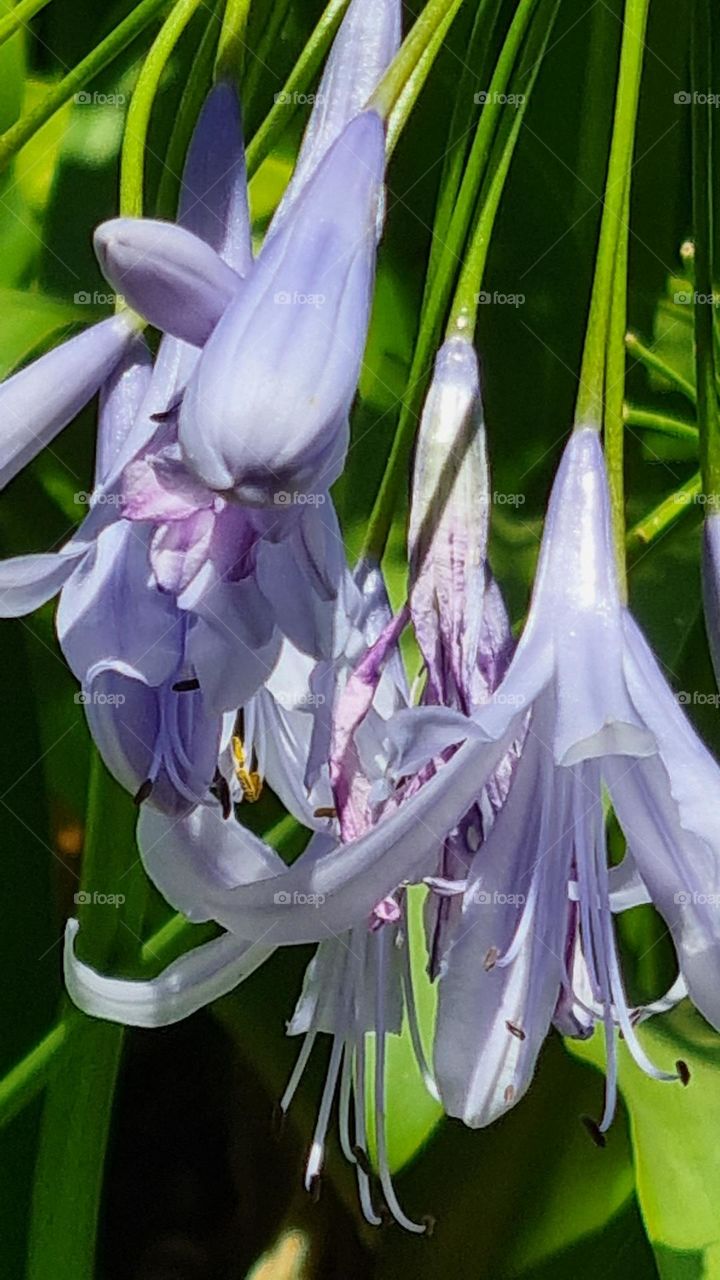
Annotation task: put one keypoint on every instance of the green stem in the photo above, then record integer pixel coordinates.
(437, 293)
(589, 407)
(463, 315)
(79, 1097)
(21, 14)
(23, 1083)
(411, 89)
(660, 422)
(702, 199)
(410, 54)
(614, 434)
(301, 76)
(659, 520)
(231, 45)
(101, 56)
(640, 352)
(132, 158)
(264, 48)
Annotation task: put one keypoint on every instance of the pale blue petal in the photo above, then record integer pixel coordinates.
(213, 195)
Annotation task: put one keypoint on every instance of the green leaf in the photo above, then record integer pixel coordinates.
(34, 319)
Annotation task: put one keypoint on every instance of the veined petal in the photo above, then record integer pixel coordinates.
(26, 582)
(213, 195)
(121, 398)
(188, 984)
(364, 47)
(37, 402)
(173, 278)
(265, 412)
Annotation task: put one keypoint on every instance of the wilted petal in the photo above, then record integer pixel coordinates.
(173, 278)
(364, 47)
(266, 410)
(37, 402)
(188, 984)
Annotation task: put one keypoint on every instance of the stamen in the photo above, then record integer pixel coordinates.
(317, 1150)
(595, 1131)
(509, 1094)
(325, 811)
(221, 791)
(515, 1030)
(143, 791)
(249, 779)
(490, 960)
(413, 1023)
(683, 1071)
(186, 686)
(362, 1159)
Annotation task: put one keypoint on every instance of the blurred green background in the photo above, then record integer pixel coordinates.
(196, 1186)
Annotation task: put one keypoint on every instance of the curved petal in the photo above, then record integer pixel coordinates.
(121, 398)
(213, 195)
(188, 984)
(26, 582)
(170, 276)
(37, 402)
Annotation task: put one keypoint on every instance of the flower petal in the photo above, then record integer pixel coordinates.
(170, 276)
(188, 984)
(213, 195)
(37, 402)
(26, 582)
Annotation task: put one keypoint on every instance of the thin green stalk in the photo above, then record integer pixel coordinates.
(231, 45)
(644, 355)
(614, 431)
(300, 78)
(132, 157)
(193, 96)
(702, 200)
(437, 296)
(25, 1080)
(660, 519)
(589, 407)
(410, 53)
(663, 423)
(79, 1098)
(413, 85)
(263, 52)
(21, 14)
(463, 314)
(101, 56)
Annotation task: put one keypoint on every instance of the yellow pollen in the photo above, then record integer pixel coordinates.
(249, 779)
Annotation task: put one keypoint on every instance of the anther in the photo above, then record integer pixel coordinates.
(509, 1094)
(490, 959)
(325, 811)
(683, 1071)
(363, 1160)
(430, 1223)
(143, 791)
(315, 1188)
(515, 1030)
(186, 686)
(594, 1130)
(221, 791)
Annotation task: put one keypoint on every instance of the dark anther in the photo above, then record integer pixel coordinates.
(515, 1031)
(315, 1188)
(165, 414)
(490, 959)
(325, 811)
(221, 791)
(594, 1130)
(143, 792)
(186, 686)
(277, 1123)
(683, 1071)
(509, 1094)
(362, 1159)
(429, 1221)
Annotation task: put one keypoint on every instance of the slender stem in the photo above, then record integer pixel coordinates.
(437, 293)
(410, 91)
(410, 53)
(132, 158)
(231, 45)
(276, 121)
(660, 422)
(463, 315)
(702, 199)
(101, 56)
(614, 433)
(659, 520)
(17, 18)
(79, 1098)
(24, 1081)
(589, 407)
(640, 352)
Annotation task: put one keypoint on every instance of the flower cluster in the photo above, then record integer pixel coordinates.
(222, 641)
